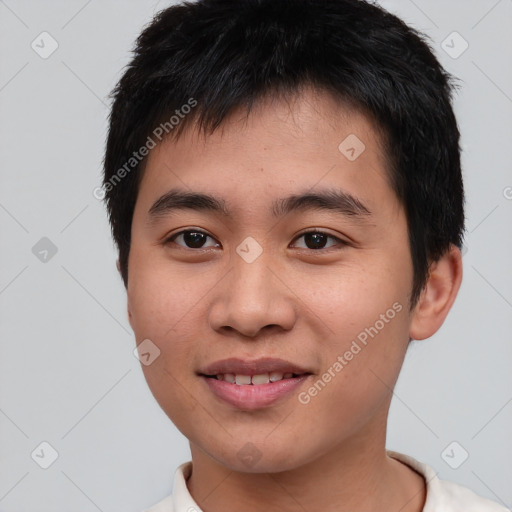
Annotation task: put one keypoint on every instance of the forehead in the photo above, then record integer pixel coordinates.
(308, 141)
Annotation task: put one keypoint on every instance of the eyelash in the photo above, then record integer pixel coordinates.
(341, 243)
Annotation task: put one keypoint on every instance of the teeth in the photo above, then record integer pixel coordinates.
(275, 376)
(262, 378)
(243, 379)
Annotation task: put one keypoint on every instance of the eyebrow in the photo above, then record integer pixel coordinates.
(332, 200)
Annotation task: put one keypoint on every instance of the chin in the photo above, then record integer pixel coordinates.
(259, 458)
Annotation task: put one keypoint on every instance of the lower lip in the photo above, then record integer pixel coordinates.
(250, 396)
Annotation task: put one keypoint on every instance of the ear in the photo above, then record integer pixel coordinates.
(129, 311)
(118, 265)
(130, 315)
(438, 295)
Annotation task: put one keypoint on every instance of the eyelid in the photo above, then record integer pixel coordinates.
(320, 231)
(168, 239)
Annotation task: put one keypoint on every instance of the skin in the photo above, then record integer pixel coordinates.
(295, 302)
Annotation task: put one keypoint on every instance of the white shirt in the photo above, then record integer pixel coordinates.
(442, 495)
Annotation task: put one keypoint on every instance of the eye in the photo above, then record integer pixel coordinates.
(193, 239)
(316, 240)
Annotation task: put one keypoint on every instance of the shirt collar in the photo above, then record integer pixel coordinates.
(183, 502)
(181, 497)
(432, 482)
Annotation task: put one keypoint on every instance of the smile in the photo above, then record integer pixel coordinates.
(255, 380)
(254, 392)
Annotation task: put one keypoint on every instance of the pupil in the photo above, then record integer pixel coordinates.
(193, 239)
(313, 240)
(316, 238)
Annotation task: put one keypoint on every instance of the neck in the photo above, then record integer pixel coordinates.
(356, 476)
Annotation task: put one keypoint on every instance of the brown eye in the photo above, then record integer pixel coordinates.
(191, 239)
(316, 240)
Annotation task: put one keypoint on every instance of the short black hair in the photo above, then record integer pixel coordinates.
(214, 56)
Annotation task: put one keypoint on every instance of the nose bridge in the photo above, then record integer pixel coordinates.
(251, 297)
(252, 284)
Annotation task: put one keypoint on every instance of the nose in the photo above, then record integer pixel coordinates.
(253, 298)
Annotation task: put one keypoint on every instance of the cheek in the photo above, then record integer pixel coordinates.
(351, 298)
(342, 401)
(162, 314)
(159, 314)
(156, 299)
(367, 339)
(158, 307)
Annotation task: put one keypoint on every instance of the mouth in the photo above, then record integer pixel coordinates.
(254, 380)
(255, 384)
(242, 371)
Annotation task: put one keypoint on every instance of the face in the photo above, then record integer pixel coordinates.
(312, 287)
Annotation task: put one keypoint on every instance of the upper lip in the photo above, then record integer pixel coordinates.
(251, 367)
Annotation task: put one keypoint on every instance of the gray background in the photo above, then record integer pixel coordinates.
(67, 372)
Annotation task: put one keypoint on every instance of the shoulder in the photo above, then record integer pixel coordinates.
(166, 505)
(180, 500)
(446, 496)
(457, 498)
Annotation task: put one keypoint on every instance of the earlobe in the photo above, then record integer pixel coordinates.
(438, 295)
(129, 314)
(118, 265)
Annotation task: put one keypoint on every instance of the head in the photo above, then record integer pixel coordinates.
(227, 108)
